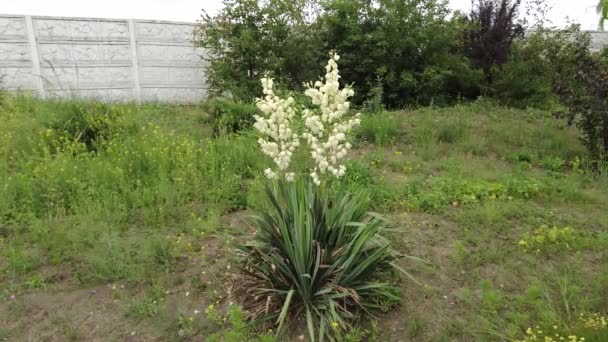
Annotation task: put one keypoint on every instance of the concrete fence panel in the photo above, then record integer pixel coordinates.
(107, 59)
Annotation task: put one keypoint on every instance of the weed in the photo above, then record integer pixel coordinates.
(545, 238)
(438, 192)
(148, 305)
(35, 282)
(416, 327)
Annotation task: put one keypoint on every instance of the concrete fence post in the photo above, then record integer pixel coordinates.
(34, 56)
(134, 60)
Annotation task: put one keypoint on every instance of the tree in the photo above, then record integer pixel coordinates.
(602, 10)
(491, 32)
(249, 38)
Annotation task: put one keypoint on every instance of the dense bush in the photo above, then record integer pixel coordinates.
(585, 94)
(534, 66)
(227, 116)
(404, 52)
(523, 81)
(409, 48)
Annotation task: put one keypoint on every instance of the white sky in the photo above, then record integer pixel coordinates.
(581, 11)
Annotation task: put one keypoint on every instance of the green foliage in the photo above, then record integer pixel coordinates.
(491, 29)
(440, 192)
(148, 305)
(555, 239)
(141, 177)
(249, 38)
(535, 63)
(585, 94)
(554, 164)
(545, 237)
(602, 9)
(235, 328)
(394, 52)
(227, 116)
(523, 80)
(380, 129)
(88, 122)
(409, 48)
(318, 257)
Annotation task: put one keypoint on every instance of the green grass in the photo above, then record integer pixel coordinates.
(151, 198)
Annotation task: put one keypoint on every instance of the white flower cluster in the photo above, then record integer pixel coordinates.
(326, 131)
(278, 141)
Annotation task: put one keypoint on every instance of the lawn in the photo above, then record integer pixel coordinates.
(119, 222)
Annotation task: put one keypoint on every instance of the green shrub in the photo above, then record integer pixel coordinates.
(585, 94)
(528, 77)
(396, 53)
(411, 49)
(227, 116)
(521, 81)
(316, 257)
(88, 122)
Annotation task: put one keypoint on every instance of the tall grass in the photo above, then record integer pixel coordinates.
(105, 171)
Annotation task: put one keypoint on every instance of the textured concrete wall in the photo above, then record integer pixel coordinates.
(112, 60)
(599, 39)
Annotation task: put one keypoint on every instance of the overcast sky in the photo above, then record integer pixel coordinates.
(581, 11)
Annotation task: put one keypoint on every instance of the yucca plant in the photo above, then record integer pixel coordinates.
(317, 256)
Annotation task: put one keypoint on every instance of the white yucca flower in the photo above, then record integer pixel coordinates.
(327, 130)
(277, 141)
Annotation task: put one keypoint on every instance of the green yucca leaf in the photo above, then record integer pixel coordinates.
(285, 309)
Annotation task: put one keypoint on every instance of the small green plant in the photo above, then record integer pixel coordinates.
(554, 164)
(35, 282)
(459, 253)
(148, 305)
(545, 238)
(450, 132)
(234, 327)
(416, 327)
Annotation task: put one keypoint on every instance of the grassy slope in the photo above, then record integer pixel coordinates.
(132, 241)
